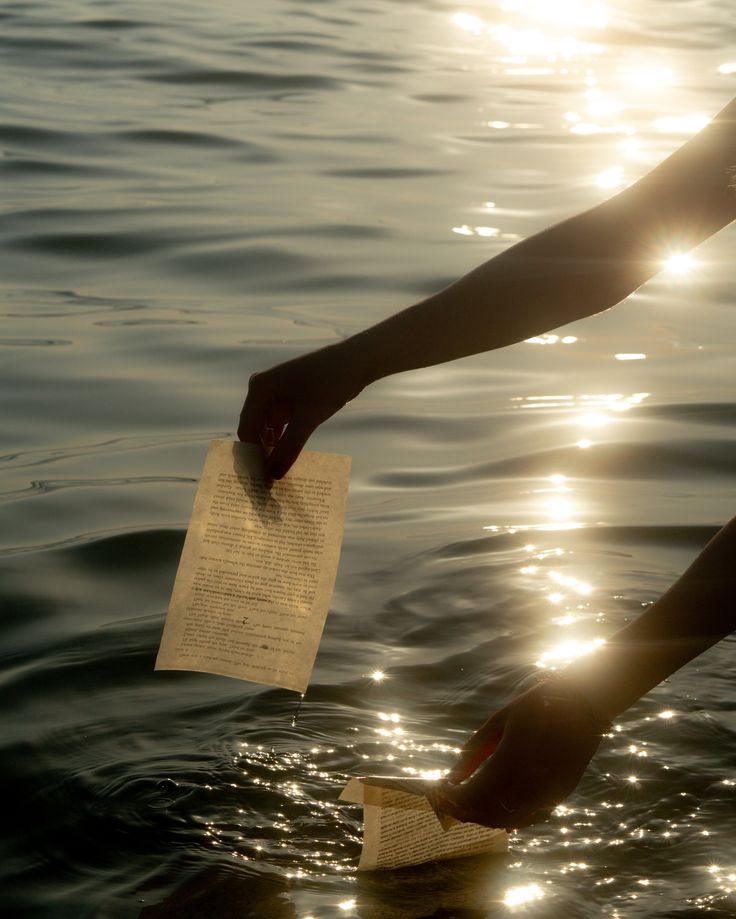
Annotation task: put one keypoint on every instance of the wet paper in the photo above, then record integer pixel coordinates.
(258, 567)
(401, 826)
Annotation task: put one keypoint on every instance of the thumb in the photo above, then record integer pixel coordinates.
(289, 446)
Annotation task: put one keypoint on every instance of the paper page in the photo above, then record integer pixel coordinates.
(401, 828)
(258, 566)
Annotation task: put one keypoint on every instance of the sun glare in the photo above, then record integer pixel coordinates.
(524, 893)
(567, 651)
(680, 263)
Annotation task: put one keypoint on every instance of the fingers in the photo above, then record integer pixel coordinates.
(253, 414)
(480, 746)
(492, 810)
(498, 803)
(279, 426)
(289, 446)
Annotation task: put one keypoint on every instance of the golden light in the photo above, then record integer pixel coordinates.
(592, 420)
(378, 676)
(524, 893)
(468, 23)
(557, 478)
(586, 127)
(728, 67)
(601, 105)
(680, 263)
(347, 904)
(559, 509)
(650, 77)
(563, 12)
(584, 444)
(681, 124)
(631, 145)
(610, 178)
(432, 775)
(667, 713)
(634, 356)
(567, 651)
(549, 338)
(567, 580)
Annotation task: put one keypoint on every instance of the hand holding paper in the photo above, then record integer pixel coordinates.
(401, 827)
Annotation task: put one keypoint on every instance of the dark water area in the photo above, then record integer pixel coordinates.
(189, 193)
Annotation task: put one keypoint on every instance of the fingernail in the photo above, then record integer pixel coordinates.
(275, 470)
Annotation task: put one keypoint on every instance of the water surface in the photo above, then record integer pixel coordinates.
(192, 192)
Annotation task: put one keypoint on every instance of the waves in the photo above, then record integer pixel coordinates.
(194, 193)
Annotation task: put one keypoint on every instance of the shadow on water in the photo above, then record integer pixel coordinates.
(464, 889)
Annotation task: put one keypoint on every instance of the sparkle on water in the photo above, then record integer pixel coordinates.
(523, 893)
(602, 106)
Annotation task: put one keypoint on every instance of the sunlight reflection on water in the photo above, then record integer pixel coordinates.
(346, 164)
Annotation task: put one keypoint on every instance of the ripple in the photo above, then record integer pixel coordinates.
(247, 151)
(694, 536)
(243, 265)
(383, 172)
(34, 136)
(120, 323)
(112, 243)
(29, 458)
(115, 25)
(246, 79)
(24, 166)
(31, 43)
(176, 138)
(137, 153)
(603, 461)
(34, 342)
(699, 412)
(46, 486)
(441, 98)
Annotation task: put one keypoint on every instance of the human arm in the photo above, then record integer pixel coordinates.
(531, 754)
(574, 269)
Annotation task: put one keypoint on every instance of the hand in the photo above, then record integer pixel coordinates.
(524, 760)
(286, 403)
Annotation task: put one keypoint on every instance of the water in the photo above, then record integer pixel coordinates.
(191, 192)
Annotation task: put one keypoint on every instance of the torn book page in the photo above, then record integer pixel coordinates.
(401, 828)
(258, 567)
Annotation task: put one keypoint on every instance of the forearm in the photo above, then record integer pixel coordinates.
(695, 613)
(574, 269)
